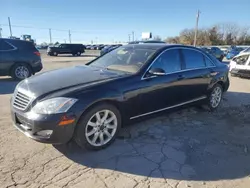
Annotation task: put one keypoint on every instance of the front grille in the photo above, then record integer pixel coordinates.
(21, 101)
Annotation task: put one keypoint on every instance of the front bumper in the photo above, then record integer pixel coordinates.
(240, 72)
(31, 124)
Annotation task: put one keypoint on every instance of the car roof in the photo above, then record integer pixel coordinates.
(243, 53)
(158, 46)
(15, 40)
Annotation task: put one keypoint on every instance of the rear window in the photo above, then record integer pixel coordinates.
(5, 46)
(24, 45)
(193, 59)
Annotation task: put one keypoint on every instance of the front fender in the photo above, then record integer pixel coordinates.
(89, 98)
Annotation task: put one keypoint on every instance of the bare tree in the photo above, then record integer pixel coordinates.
(220, 34)
(173, 40)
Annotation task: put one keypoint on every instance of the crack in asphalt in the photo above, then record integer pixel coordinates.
(84, 171)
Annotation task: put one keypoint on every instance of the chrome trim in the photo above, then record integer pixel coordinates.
(22, 99)
(144, 78)
(176, 72)
(177, 105)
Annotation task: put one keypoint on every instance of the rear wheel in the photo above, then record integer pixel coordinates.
(98, 127)
(21, 71)
(214, 98)
(55, 53)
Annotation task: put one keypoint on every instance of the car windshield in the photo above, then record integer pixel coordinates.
(127, 59)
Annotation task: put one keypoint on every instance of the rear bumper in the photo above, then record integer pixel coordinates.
(31, 125)
(37, 68)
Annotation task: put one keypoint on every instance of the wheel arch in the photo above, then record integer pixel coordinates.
(18, 63)
(115, 103)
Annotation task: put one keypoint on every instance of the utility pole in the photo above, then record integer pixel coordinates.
(10, 26)
(133, 36)
(0, 32)
(69, 37)
(50, 38)
(128, 37)
(196, 27)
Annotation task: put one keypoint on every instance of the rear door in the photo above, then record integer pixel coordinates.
(197, 75)
(7, 56)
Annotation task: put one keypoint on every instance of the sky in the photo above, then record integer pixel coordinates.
(113, 20)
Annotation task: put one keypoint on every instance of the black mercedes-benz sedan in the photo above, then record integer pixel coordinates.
(90, 103)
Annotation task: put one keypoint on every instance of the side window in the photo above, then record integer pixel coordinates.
(169, 61)
(5, 46)
(193, 59)
(241, 60)
(208, 61)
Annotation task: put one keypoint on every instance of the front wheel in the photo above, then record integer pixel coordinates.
(98, 127)
(214, 98)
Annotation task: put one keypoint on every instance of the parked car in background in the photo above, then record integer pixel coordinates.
(224, 50)
(74, 49)
(99, 47)
(19, 59)
(93, 47)
(215, 51)
(109, 49)
(88, 47)
(232, 53)
(138, 80)
(146, 41)
(240, 65)
(245, 50)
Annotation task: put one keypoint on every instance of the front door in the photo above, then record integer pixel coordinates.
(160, 92)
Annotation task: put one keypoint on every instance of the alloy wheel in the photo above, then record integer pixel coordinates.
(22, 72)
(101, 128)
(216, 97)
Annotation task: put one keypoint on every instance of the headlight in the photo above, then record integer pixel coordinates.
(54, 105)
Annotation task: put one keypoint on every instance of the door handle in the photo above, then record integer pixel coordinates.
(181, 77)
(213, 73)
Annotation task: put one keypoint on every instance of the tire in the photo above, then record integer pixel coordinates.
(214, 97)
(55, 54)
(221, 58)
(89, 132)
(78, 53)
(21, 71)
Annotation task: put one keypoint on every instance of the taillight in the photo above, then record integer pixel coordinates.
(37, 53)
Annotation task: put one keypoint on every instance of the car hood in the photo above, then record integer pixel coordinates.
(53, 81)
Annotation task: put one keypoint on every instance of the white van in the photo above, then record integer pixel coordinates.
(240, 65)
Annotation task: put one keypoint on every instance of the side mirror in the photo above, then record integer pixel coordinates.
(157, 71)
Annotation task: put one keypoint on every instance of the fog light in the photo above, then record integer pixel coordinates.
(44, 133)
